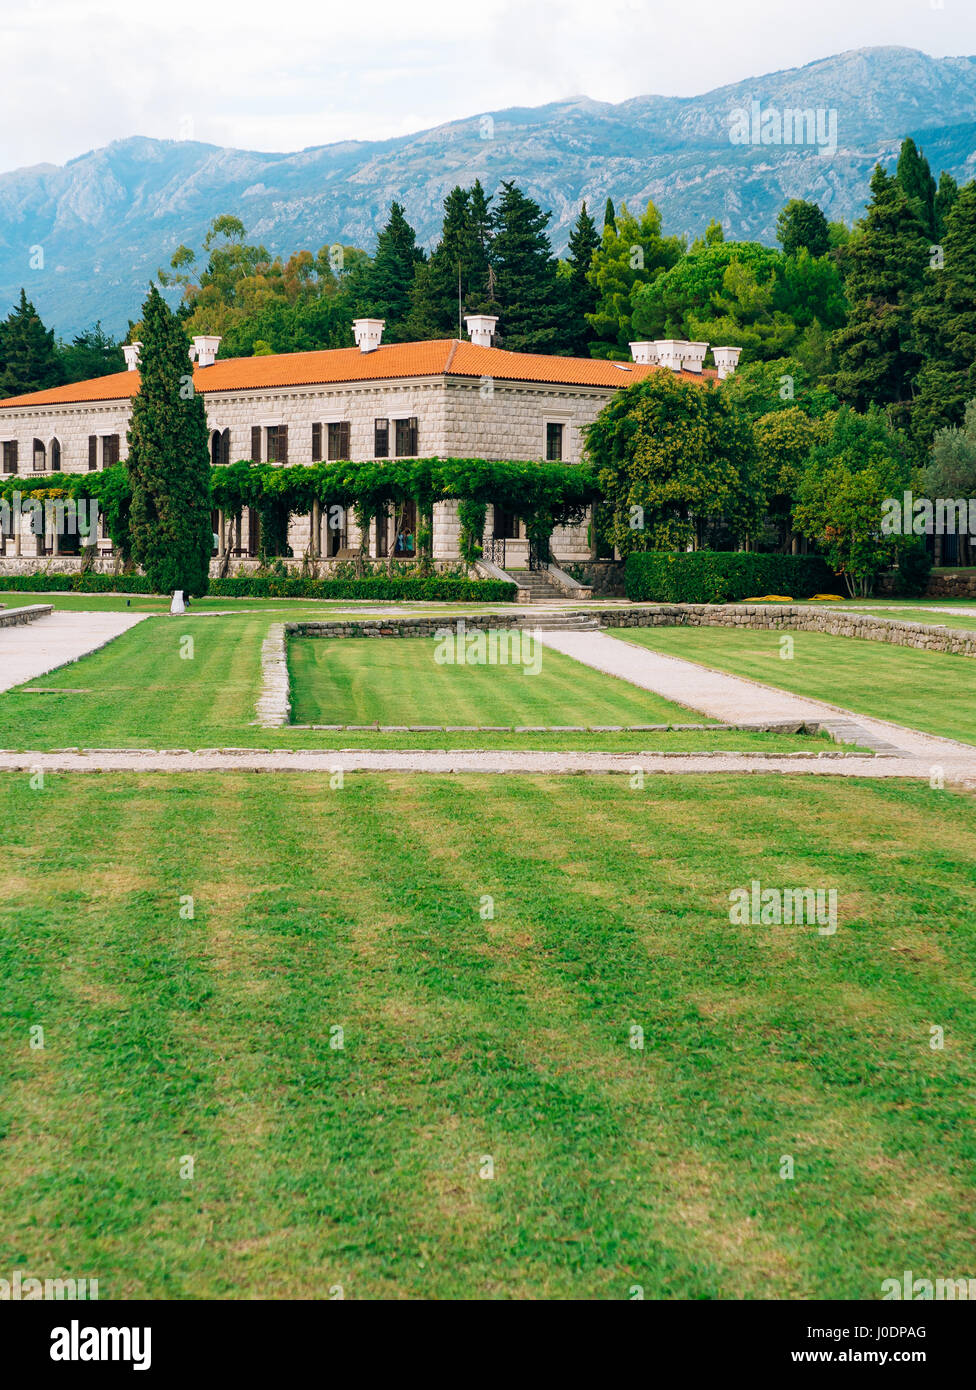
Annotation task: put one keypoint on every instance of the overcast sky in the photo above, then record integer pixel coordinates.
(284, 74)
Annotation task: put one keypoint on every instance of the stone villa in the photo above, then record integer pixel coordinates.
(448, 398)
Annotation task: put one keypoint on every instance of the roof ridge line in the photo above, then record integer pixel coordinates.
(455, 344)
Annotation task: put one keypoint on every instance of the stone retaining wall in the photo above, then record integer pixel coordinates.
(952, 584)
(16, 617)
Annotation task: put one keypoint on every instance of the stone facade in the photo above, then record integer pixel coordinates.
(457, 417)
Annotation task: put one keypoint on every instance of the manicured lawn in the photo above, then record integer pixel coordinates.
(466, 1037)
(138, 692)
(366, 680)
(924, 690)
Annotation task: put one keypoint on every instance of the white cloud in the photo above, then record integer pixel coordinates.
(280, 76)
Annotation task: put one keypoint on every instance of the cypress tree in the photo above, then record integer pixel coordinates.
(527, 289)
(915, 177)
(169, 462)
(391, 275)
(945, 328)
(609, 216)
(884, 264)
(945, 196)
(581, 294)
(29, 359)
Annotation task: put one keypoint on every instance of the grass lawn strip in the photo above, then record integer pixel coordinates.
(928, 691)
(143, 692)
(466, 1036)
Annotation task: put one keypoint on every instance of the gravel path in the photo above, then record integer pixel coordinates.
(732, 699)
(37, 648)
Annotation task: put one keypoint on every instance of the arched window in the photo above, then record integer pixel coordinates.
(40, 456)
(54, 454)
(220, 447)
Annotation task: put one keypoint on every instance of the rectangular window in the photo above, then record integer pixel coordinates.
(92, 452)
(255, 443)
(381, 439)
(338, 439)
(406, 438)
(554, 441)
(110, 450)
(277, 444)
(10, 456)
(40, 456)
(316, 443)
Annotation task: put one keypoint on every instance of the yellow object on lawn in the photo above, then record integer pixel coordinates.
(834, 598)
(769, 598)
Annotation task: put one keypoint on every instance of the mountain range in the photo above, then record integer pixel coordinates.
(85, 237)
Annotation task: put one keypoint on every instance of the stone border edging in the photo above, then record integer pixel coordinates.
(274, 702)
(831, 621)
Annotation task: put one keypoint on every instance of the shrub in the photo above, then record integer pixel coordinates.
(712, 576)
(78, 582)
(912, 574)
(387, 588)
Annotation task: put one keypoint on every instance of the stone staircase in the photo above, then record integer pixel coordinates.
(557, 622)
(540, 587)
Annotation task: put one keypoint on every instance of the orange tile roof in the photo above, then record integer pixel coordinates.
(439, 357)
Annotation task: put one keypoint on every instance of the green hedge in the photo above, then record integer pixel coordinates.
(718, 576)
(75, 583)
(387, 588)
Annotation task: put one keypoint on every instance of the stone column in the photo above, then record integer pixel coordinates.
(221, 538)
(315, 536)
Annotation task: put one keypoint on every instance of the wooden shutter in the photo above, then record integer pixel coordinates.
(110, 450)
(92, 452)
(317, 443)
(344, 440)
(225, 447)
(282, 443)
(255, 443)
(381, 439)
(413, 436)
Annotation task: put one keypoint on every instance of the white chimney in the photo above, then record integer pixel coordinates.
(368, 333)
(645, 353)
(726, 360)
(481, 328)
(692, 356)
(130, 352)
(669, 352)
(204, 350)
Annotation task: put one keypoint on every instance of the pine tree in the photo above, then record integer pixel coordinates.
(169, 462)
(29, 359)
(453, 281)
(91, 354)
(915, 177)
(632, 253)
(945, 328)
(581, 295)
(526, 286)
(802, 225)
(883, 264)
(390, 277)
